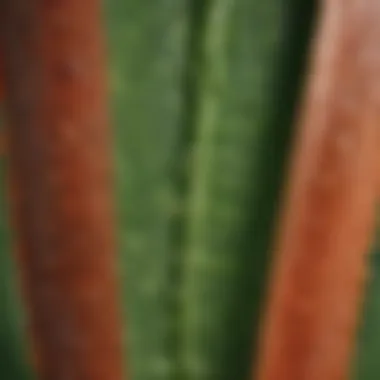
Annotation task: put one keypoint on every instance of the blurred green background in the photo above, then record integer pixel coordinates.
(202, 96)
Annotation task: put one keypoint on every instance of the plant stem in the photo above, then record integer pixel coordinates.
(60, 161)
(328, 222)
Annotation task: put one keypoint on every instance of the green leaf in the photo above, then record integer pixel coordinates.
(253, 56)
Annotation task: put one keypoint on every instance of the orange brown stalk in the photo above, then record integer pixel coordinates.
(2, 135)
(328, 221)
(59, 148)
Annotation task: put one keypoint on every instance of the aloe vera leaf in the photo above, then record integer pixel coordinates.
(252, 63)
(148, 44)
(366, 365)
(14, 363)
